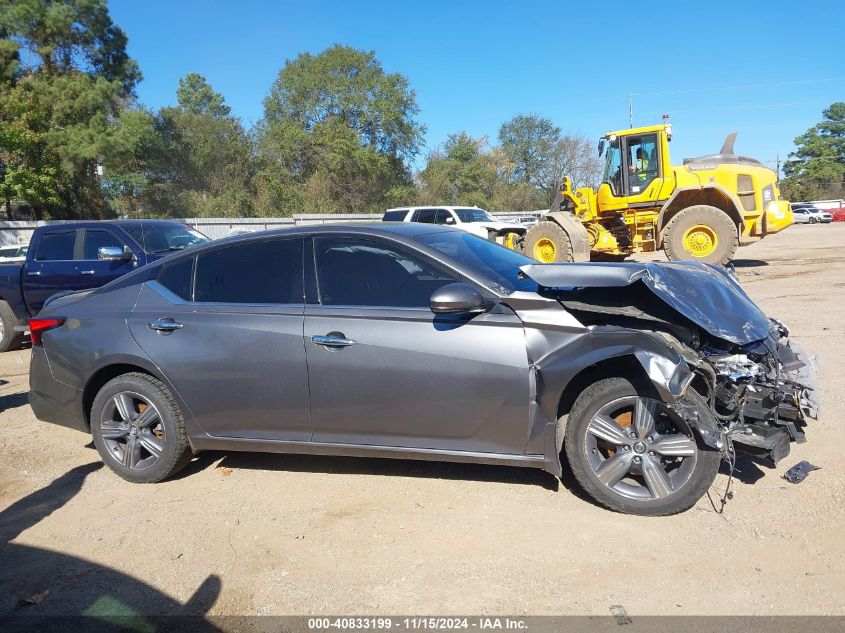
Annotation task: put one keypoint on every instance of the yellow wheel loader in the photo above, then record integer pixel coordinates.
(701, 210)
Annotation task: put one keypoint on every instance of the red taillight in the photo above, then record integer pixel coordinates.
(37, 327)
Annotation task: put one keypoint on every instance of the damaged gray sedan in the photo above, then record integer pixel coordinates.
(428, 343)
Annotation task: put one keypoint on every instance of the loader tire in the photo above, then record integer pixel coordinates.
(701, 233)
(548, 243)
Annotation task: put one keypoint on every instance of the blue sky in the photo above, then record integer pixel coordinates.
(473, 65)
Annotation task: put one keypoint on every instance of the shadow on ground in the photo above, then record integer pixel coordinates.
(13, 400)
(748, 263)
(75, 594)
(371, 466)
(747, 469)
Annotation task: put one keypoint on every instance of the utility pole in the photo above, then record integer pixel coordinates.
(777, 169)
(631, 109)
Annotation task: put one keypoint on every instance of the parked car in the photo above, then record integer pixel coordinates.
(78, 255)
(470, 219)
(13, 253)
(803, 213)
(424, 342)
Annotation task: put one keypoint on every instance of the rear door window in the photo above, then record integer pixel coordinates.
(177, 277)
(56, 246)
(426, 216)
(268, 271)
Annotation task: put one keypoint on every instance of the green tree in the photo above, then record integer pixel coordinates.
(530, 142)
(340, 130)
(196, 96)
(462, 172)
(60, 101)
(816, 169)
(540, 155)
(191, 160)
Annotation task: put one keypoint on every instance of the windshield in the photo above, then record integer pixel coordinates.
(160, 237)
(613, 167)
(474, 215)
(497, 263)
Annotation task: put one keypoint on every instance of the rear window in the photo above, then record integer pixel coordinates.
(395, 216)
(253, 272)
(56, 246)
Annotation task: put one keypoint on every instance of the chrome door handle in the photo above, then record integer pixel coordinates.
(86, 272)
(34, 273)
(164, 324)
(332, 341)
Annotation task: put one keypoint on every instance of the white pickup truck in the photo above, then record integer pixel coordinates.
(470, 219)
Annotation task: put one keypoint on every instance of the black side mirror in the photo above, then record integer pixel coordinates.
(456, 299)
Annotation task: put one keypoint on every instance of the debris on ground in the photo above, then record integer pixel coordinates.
(621, 615)
(799, 472)
(33, 600)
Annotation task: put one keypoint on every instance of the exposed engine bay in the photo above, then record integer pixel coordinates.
(745, 388)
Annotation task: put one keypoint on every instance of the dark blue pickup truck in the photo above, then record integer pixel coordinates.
(77, 256)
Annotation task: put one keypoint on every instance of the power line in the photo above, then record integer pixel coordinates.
(738, 87)
(762, 106)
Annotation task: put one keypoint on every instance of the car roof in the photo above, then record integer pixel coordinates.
(401, 231)
(137, 223)
(408, 230)
(450, 207)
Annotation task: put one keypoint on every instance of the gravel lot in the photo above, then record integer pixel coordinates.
(274, 534)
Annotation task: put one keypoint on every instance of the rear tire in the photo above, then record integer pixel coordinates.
(548, 243)
(647, 474)
(138, 429)
(701, 233)
(9, 338)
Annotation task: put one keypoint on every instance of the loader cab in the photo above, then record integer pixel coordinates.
(631, 164)
(636, 164)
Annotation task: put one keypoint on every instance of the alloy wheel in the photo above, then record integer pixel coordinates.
(640, 449)
(132, 431)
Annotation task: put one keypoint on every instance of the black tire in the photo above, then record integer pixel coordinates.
(813, 220)
(9, 339)
(176, 452)
(555, 234)
(698, 478)
(722, 226)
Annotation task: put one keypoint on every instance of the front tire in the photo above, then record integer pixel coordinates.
(632, 454)
(9, 338)
(701, 233)
(548, 243)
(138, 429)
(813, 220)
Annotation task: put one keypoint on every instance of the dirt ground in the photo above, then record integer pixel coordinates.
(274, 534)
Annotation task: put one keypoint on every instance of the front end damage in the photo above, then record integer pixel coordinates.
(728, 370)
(753, 399)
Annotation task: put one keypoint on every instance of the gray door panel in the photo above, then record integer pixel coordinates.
(415, 380)
(240, 368)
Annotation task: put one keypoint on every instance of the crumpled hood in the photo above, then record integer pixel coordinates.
(707, 295)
